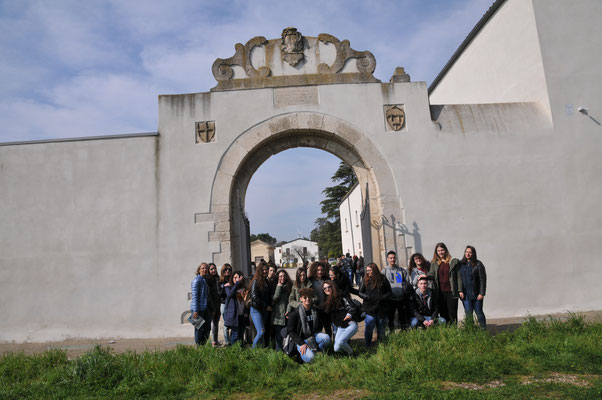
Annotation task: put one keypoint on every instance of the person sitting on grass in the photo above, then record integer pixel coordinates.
(302, 328)
(424, 307)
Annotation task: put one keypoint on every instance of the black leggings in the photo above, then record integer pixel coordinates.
(448, 307)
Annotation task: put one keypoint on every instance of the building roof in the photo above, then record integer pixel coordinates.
(477, 28)
(294, 240)
(257, 241)
(348, 193)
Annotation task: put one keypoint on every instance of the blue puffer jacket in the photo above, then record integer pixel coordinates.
(200, 293)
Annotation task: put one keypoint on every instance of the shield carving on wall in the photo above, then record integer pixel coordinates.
(205, 131)
(396, 117)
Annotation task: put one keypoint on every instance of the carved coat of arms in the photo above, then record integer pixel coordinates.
(205, 131)
(292, 46)
(396, 117)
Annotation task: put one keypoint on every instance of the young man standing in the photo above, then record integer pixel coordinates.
(301, 327)
(400, 291)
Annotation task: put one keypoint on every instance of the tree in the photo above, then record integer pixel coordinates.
(327, 231)
(265, 237)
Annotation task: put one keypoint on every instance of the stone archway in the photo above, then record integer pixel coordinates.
(282, 132)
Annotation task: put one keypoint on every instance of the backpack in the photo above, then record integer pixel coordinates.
(359, 315)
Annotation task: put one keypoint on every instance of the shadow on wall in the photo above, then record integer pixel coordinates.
(400, 229)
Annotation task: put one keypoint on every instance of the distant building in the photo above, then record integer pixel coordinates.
(296, 251)
(355, 224)
(261, 250)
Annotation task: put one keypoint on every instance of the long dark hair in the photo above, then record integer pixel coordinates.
(242, 284)
(474, 260)
(334, 301)
(376, 281)
(298, 277)
(425, 264)
(261, 280)
(288, 283)
(222, 275)
(313, 270)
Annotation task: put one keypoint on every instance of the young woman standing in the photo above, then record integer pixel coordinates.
(473, 283)
(418, 267)
(375, 290)
(234, 308)
(317, 276)
(224, 278)
(214, 291)
(444, 271)
(341, 310)
(301, 282)
(280, 304)
(260, 301)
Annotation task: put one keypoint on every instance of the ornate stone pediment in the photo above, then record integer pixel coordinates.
(293, 60)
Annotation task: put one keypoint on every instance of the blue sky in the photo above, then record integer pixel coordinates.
(73, 68)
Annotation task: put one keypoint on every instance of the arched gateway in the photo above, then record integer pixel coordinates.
(282, 132)
(291, 92)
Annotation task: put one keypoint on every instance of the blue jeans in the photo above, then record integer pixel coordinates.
(226, 333)
(370, 322)
(415, 321)
(258, 317)
(358, 279)
(476, 306)
(341, 340)
(322, 339)
(350, 274)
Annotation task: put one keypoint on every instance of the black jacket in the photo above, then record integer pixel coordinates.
(374, 298)
(260, 297)
(419, 309)
(337, 316)
(294, 327)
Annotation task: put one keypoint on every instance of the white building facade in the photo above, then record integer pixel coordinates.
(355, 224)
(295, 251)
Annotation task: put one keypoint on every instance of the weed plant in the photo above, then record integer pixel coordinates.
(434, 363)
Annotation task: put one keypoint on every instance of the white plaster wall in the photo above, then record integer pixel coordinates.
(79, 241)
(502, 64)
(351, 232)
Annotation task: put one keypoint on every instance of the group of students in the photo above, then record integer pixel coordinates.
(304, 316)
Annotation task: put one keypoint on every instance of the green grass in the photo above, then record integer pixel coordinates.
(437, 363)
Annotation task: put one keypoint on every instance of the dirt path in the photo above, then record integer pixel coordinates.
(77, 347)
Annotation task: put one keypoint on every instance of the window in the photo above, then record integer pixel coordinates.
(305, 251)
(346, 228)
(357, 219)
(359, 245)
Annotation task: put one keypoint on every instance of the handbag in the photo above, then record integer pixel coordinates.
(288, 345)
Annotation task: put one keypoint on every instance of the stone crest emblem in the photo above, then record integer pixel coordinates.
(292, 46)
(205, 131)
(396, 117)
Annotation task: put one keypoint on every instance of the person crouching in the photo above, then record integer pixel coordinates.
(424, 306)
(302, 328)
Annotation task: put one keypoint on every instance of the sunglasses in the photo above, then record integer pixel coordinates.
(327, 288)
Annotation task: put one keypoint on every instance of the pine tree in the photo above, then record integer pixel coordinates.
(327, 231)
